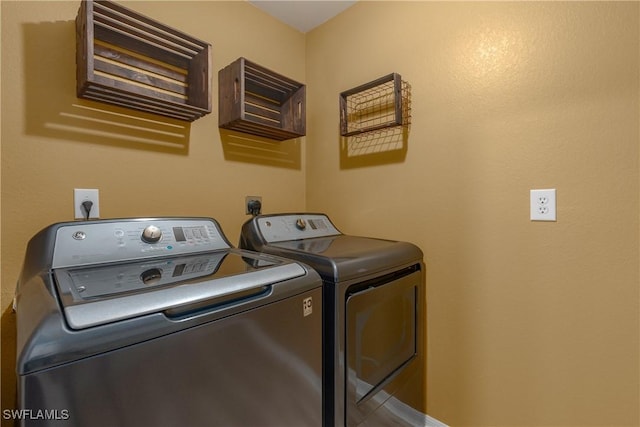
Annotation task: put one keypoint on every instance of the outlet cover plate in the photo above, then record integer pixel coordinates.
(82, 194)
(543, 205)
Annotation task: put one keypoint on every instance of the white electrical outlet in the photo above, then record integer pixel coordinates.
(543, 205)
(81, 195)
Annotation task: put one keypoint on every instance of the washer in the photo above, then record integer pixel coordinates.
(160, 322)
(374, 316)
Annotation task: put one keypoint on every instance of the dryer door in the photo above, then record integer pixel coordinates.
(381, 342)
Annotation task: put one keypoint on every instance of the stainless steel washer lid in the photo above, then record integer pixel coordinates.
(112, 270)
(99, 295)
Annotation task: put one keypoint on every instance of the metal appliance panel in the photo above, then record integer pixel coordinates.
(278, 228)
(211, 335)
(98, 295)
(92, 242)
(381, 340)
(259, 367)
(335, 256)
(347, 264)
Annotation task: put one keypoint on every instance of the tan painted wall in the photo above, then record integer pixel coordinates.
(50, 146)
(530, 324)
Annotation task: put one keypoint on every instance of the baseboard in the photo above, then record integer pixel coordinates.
(410, 415)
(432, 422)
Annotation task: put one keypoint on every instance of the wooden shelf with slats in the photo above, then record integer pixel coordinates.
(258, 101)
(126, 59)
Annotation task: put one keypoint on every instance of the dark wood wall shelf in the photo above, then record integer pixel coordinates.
(375, 106)
(258, 101)
(126, 59)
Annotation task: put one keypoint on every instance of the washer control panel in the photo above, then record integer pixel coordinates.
(94, 242)
(280, 228)
(112, 279)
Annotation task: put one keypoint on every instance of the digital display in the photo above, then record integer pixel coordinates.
(182, 234)
(317, 224)
(178, 233)
(178, 270)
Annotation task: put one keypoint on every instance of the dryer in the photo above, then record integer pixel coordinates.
(373, 314)
(159, 321)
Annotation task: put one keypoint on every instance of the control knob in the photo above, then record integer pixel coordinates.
(151, 234)
(301, 224)
(151, 276)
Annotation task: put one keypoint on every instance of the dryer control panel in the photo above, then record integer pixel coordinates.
(280, 228)
(96, 242)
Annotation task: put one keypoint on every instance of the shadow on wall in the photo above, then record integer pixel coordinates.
(8, 368)
(377, 148)
(242, 147)
(53, 110)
